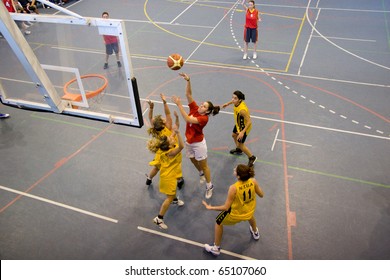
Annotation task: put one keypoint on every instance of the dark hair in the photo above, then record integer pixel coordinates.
(245, 172)
(239, 95)
(164, 143)
(212, 109)
(252, 2)
(105, 13)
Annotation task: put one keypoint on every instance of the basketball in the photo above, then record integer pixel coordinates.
(175, 61)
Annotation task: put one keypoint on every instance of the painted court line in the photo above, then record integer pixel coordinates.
(191, 242)
(183, 12)
(308, 43)
(208, 35)
(347, 39)
(296, 143)
(222, 66)
(337, 46)
(276, 137)
(60, 204)
(295, 123)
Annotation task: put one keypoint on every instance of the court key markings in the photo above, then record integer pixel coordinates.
(173, 237)
(79, 210)
(288, 87)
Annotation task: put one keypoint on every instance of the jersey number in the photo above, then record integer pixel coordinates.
(249, 195)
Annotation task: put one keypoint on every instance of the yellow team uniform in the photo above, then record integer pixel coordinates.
(165, 132)
(243, 206)
(170, 170)
(239, 119)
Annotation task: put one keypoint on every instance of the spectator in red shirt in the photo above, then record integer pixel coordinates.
(196, 147)
(112, 46)
(250, 30)
(11, 6)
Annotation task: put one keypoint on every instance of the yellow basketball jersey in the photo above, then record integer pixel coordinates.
(244, 203)
(170, 167)
(240, 121)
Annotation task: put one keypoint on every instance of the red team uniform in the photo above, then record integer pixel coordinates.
(250, 31)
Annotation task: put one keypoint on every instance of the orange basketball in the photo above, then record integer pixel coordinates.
(175, 61)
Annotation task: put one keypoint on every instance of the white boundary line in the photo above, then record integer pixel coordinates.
(212, 30)
(296, 143)
(256, 117)
(276, 136)
(308, 43)
(71, 5)
(193, 3)
(256, 70)
(60, 205)
(329, 9)
(289, 122)
(337, 46)
(348, 39)
(191, 242)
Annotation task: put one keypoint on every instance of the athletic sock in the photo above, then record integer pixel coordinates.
(209, 185)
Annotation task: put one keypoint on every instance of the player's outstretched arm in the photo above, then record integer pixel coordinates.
(228, 202)
(167, 112)
(188, 87)
(244, 5)
(150, 115)
(186, 117)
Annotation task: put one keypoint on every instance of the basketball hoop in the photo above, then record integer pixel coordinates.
(89, 94)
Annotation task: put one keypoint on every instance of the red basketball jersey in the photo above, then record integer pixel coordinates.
(109, 39)
(8, 5)
(251, 18)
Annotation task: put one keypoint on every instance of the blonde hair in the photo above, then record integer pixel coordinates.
(157, 126)
(157, 143)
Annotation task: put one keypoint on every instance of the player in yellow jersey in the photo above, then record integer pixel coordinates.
(242, 127)
(240, 205)
(168, 157)
(161, 127)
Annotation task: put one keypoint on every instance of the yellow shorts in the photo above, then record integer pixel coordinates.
(224, 218)
(168, 186)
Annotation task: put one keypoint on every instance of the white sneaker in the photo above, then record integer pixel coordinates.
(245, 56)
(160, 223)
(27, 32)
(213, 249)
(209, 192)
(178, 202)
(4, 116)
(255, 235)
(254, 55)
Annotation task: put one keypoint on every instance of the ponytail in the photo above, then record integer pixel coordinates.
(214, 110)
(239, 95)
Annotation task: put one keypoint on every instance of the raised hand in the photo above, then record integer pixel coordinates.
(185, 76)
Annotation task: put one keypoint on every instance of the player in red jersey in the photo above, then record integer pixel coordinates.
(196, 146)
(112, 46)
(250, 29)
